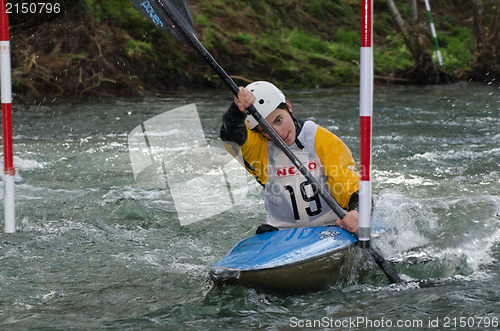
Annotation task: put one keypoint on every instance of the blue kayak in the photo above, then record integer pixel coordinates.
(293, 260)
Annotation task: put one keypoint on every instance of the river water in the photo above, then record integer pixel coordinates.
(94, 250)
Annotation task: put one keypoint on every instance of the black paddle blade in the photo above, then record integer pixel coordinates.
(391, 273)
(160, 11)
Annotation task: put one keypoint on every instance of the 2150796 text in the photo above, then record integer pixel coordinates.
(33, 8)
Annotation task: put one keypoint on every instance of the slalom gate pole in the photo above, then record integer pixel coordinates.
(434, 35)
(365, 113)
(6, 97)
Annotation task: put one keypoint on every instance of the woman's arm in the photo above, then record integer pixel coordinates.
(233, 127)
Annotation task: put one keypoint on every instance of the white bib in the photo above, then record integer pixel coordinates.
(289, 198)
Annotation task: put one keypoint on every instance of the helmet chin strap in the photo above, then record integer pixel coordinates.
(298, 127)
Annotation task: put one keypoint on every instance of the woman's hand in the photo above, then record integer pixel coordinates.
(244, 100)
(350, 222)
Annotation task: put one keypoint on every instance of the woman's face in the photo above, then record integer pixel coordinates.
(282, 122)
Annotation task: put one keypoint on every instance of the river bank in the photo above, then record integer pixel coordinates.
(99, 49)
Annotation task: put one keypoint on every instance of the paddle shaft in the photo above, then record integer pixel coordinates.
(193, 41)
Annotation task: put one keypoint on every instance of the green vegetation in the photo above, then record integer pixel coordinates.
(457, 47)
(293, 43)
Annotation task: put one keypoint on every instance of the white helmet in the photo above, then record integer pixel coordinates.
(267, 98)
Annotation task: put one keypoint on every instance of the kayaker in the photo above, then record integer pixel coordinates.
(289, 198)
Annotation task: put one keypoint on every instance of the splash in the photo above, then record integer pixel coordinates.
(439, 237)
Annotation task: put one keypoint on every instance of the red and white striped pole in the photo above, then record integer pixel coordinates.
(365, 112)
(6, 90)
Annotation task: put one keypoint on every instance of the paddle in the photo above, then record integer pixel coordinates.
(174, 17)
